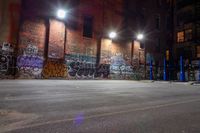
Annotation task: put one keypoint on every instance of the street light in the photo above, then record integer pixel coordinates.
(112, 35)
(61, 14)
(140, 36)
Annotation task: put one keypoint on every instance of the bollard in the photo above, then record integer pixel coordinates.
(164, 73)
(151, 70)
(182, 72)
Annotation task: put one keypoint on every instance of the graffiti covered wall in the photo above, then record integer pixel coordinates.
(123, 63)
(7, 61)
(30, 64)
(80, 56)
(31, 49)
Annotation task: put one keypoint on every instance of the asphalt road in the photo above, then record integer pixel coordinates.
(58, 106)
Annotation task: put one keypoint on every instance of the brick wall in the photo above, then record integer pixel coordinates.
(9, 20)
(80, 53)
(30, 58)
(56, 40)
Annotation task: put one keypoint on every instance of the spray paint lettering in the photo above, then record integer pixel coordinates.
(84, 67)
(30, 64)
(30, 61)
(7, 60)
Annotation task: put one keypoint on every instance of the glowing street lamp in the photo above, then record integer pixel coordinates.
(61, 14)
(140, 36)
(113, 35)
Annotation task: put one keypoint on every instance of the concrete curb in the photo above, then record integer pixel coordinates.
(147, 81)
(172, 82)
(196, 83)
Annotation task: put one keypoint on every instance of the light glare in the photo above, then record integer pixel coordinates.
(112, 35)
(61, 13)
(140, 36)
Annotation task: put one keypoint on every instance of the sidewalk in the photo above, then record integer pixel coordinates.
(197, 83)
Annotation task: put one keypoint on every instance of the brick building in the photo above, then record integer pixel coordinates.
(187, 35)
(77, 47)
(187, 31)
(153, 18)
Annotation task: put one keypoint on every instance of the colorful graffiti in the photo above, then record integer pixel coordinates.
(7, 60)
(30, 64)
(31, 50)
(79, 70)
(30, 61)
(119, 68)
(122, 69)
(54, 69)
(84, 67)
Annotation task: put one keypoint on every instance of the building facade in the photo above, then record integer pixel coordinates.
(153, 19)
(77, 47)
(10, 11)
(187, 35)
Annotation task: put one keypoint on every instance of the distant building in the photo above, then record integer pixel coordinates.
(187, 29)
(153, 19)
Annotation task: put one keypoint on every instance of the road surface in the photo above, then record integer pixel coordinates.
(59, 106)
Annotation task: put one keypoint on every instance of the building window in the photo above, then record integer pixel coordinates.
(188, 35)
(180, 37)
(88, 26)
(157, 22)
(198, 51)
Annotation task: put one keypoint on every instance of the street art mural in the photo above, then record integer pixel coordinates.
(7, 61)
(29, 64)
(84, 67)
(30, 60)
(123, 64)
(119, 68)
(54, 69)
